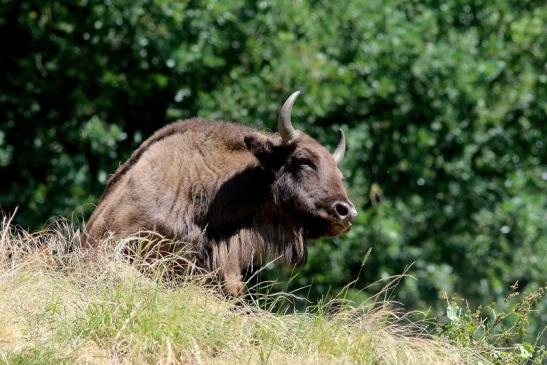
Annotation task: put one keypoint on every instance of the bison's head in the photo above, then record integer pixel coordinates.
(307, 185)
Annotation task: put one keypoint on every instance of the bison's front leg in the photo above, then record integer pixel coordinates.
(231, 272)
(228, 262)
(233, 285)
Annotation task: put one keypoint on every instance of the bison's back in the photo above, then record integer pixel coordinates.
(168, 182)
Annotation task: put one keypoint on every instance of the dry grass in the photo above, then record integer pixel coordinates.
(59, 304)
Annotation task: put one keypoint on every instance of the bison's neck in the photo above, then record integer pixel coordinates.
(242, 218)
(237, 202)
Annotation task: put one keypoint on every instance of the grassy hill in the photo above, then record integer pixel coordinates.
(59, 304)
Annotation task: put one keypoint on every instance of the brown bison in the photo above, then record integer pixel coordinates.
(239, 192)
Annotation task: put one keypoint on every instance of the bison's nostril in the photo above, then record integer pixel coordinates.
(342, 210)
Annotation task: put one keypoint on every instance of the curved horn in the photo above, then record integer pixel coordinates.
(338, 154)
(284, 125)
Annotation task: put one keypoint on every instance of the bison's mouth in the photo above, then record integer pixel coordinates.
(321, 226)
(337, 228)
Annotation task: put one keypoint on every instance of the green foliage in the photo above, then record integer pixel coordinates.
(444, 105)
(500, 335)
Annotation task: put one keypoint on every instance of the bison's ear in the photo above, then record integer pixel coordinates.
(266, 151)
(258, 145)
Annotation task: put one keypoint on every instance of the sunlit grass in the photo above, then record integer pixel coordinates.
(60, 304)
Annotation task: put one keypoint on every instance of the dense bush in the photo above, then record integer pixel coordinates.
(444, 104)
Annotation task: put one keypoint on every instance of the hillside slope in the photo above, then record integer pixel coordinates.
(58, 306)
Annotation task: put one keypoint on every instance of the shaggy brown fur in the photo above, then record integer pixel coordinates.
(234, 193)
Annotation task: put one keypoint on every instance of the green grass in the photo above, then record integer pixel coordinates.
(74, 307)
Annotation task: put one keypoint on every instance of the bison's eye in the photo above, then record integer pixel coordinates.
(305, 164)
